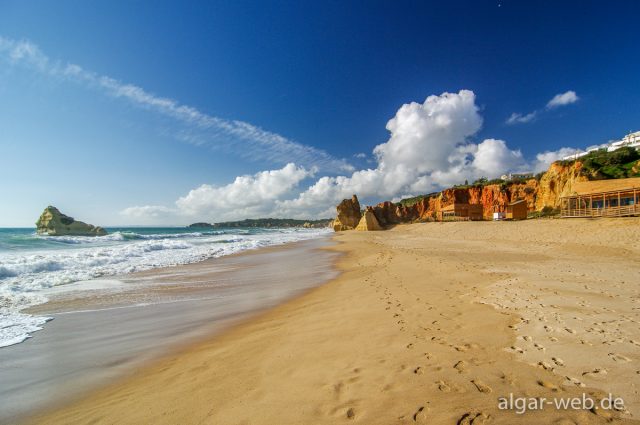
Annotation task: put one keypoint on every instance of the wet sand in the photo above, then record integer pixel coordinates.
(104, 329)
(428, 323)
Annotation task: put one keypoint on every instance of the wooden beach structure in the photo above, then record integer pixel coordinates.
(602, 198)
(461, 212)
(517, 210)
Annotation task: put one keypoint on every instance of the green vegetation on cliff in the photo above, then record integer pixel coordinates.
(597, 165)
(619, 164)
(408, 202)
(267, 222)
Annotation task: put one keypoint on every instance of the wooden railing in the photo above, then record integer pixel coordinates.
(623, 211)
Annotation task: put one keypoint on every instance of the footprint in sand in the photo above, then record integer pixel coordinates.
(602, 413)
(419, 370)
(351, 414)
(619, 357)
(421, 416)
(548, 385)
(548, 328)
(443, 386)
(595, 373)
(461, 366)
(508, 379)
(575, 381)
(517, 349)
(481, 386)
(471, 418)
(571, 331)
(466, 347)
(539, 347)
(558, 361)
(545, 365)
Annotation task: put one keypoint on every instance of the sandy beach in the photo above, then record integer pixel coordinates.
(103, 329)
(427, 323)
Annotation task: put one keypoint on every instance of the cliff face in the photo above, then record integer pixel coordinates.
(348, 214)
(558, 181)
(493, 198)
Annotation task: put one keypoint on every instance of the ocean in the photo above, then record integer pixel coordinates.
(32, 265)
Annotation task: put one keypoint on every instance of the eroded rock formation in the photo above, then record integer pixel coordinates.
(493, 198)
(348, 214)
(368, 222)
(558, 181)
(53, 223)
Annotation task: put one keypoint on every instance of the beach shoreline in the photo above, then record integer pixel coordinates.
(409, 333)
(105, 329)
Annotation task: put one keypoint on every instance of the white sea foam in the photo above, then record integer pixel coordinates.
(25, 275)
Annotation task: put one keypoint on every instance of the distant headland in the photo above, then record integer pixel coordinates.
(267, 222)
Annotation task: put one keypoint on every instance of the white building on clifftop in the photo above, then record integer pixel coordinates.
(631, 140)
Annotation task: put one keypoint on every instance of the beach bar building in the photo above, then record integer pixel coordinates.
(517, 210)
(461, 212)
(602, 198)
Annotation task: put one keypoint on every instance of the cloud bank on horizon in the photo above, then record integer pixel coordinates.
(429, 148)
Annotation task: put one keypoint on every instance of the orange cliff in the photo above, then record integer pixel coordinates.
(492, 197)
(558, 181)
(545, 192)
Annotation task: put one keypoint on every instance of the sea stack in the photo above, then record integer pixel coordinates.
(368, 222)
(348, 214)
(53, 223)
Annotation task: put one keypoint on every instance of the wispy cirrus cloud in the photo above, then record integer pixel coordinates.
(242, 138)
(517, 118)
(561, 99)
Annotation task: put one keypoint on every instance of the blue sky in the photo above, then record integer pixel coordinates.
(312, 84)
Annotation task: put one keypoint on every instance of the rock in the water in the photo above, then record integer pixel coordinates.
(53, 223)
(368, 221)
(348, 214)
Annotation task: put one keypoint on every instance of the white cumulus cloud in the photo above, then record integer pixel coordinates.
(247, 196)
(544, 159)
(562, 99)
(428, 149)
(492, 156)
